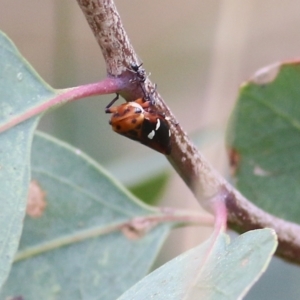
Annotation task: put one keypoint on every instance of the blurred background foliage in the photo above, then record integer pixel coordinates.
(198, 53)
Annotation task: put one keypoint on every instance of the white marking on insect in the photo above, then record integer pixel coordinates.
(157, 124)
(151, 135)
(169, 132)
(136, 105)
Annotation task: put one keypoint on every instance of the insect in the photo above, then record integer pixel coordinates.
(138, 121)
(140, 77)
(140, 73)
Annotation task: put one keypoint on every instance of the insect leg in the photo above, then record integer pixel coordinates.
(112, 102)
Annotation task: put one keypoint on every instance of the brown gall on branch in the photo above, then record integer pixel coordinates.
(193, 168)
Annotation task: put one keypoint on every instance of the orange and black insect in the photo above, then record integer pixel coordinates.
(139, 121)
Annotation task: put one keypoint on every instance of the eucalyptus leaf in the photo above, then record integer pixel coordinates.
(217, 269)
(69, 252)
(149, 190)
(264, 140)
(20, 90)
(21, 87)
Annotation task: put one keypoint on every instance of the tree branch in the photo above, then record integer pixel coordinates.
(193, 168)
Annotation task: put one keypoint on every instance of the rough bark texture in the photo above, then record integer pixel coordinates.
(105, 22)
(193, 168)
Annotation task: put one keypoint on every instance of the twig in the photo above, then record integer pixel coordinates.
(137, 227)
(193, 168)
(106, 86)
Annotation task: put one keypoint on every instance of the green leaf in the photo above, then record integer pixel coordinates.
(20, 90)
(214, 270)
(69, 251)
(150, 190)
(21, 87)
(264, 141)
(14, 178)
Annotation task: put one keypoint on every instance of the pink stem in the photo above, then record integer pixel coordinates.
(220, 211)
(107, 86)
